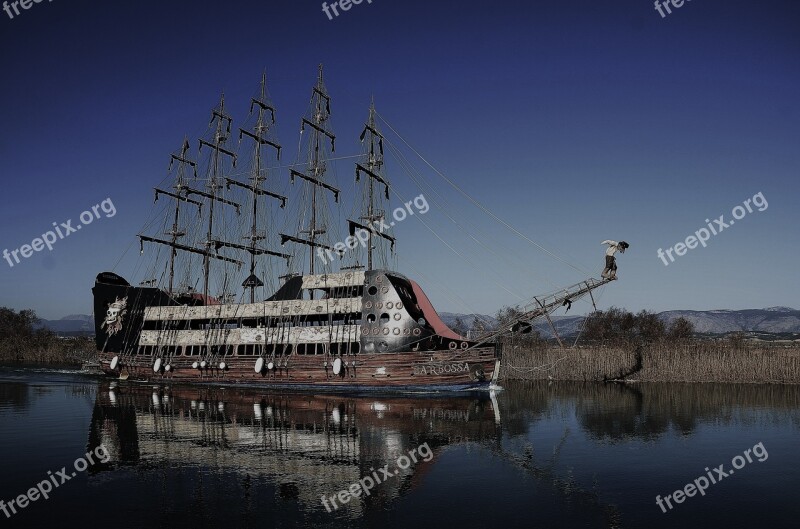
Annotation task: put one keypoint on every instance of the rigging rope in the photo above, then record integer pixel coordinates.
(478, 204)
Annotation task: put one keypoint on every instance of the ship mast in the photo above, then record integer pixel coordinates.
(223, 128)
(320, 108)
(261, 128)
(180, 196)
(373, 218)
(183, 191)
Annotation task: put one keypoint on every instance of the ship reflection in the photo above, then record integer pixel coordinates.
(305, 445)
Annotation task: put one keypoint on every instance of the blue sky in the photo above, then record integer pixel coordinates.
(574, 121)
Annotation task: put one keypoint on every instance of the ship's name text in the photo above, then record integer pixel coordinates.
(440, 369)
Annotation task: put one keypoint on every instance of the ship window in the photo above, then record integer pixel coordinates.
(223, 350)
(373, 290)
(246, 350)
(384, 318)
(170, 350)
(309, 349)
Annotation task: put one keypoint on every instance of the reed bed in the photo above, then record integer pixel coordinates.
(694, 361)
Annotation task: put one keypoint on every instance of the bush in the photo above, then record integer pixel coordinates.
(21, 343)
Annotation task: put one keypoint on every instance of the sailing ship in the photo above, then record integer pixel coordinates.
(359, 327)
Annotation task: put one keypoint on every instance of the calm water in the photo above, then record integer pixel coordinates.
(534, 455)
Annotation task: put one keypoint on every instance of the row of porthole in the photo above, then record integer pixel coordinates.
(379, 305)
(384, 318)
(373, 290)
(396, 331)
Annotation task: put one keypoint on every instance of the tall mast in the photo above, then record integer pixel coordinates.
(372, 167)
(320, 112)
(180, 196)
(259, 134)
(223, 129)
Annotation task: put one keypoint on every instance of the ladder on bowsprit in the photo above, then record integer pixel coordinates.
(543, 306)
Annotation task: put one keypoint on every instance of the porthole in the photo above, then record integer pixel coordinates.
(399, 305)
(396, 331)
(379, 304)
(417, 332)
(389, 305)
(397, 316)
(452, 345)
(464, 345)
(370, 318)
(367, 304)
(364, 330)
(385, 290)
(406, 332)
(421, 321)
(372, 290)
(376, 331)
(386, 330)
(384, 318)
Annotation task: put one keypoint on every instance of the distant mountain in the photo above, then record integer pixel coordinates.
(72, 325)
(773, 320)
(770, 320)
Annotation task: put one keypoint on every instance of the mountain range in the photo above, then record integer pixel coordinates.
(772, 320)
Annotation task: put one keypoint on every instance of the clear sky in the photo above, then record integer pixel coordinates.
(575, 121)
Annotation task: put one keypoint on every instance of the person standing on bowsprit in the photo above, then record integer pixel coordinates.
(610, 271)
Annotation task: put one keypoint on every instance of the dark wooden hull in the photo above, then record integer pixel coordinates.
(405, 371)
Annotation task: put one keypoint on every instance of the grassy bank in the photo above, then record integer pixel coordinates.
(21, 343)
(52, 352)
(692, 361)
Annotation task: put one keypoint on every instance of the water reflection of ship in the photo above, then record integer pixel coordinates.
(308, 445)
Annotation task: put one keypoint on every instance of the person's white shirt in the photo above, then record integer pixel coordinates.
(613, 247)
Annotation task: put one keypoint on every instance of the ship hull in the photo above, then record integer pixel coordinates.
(405, 371)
